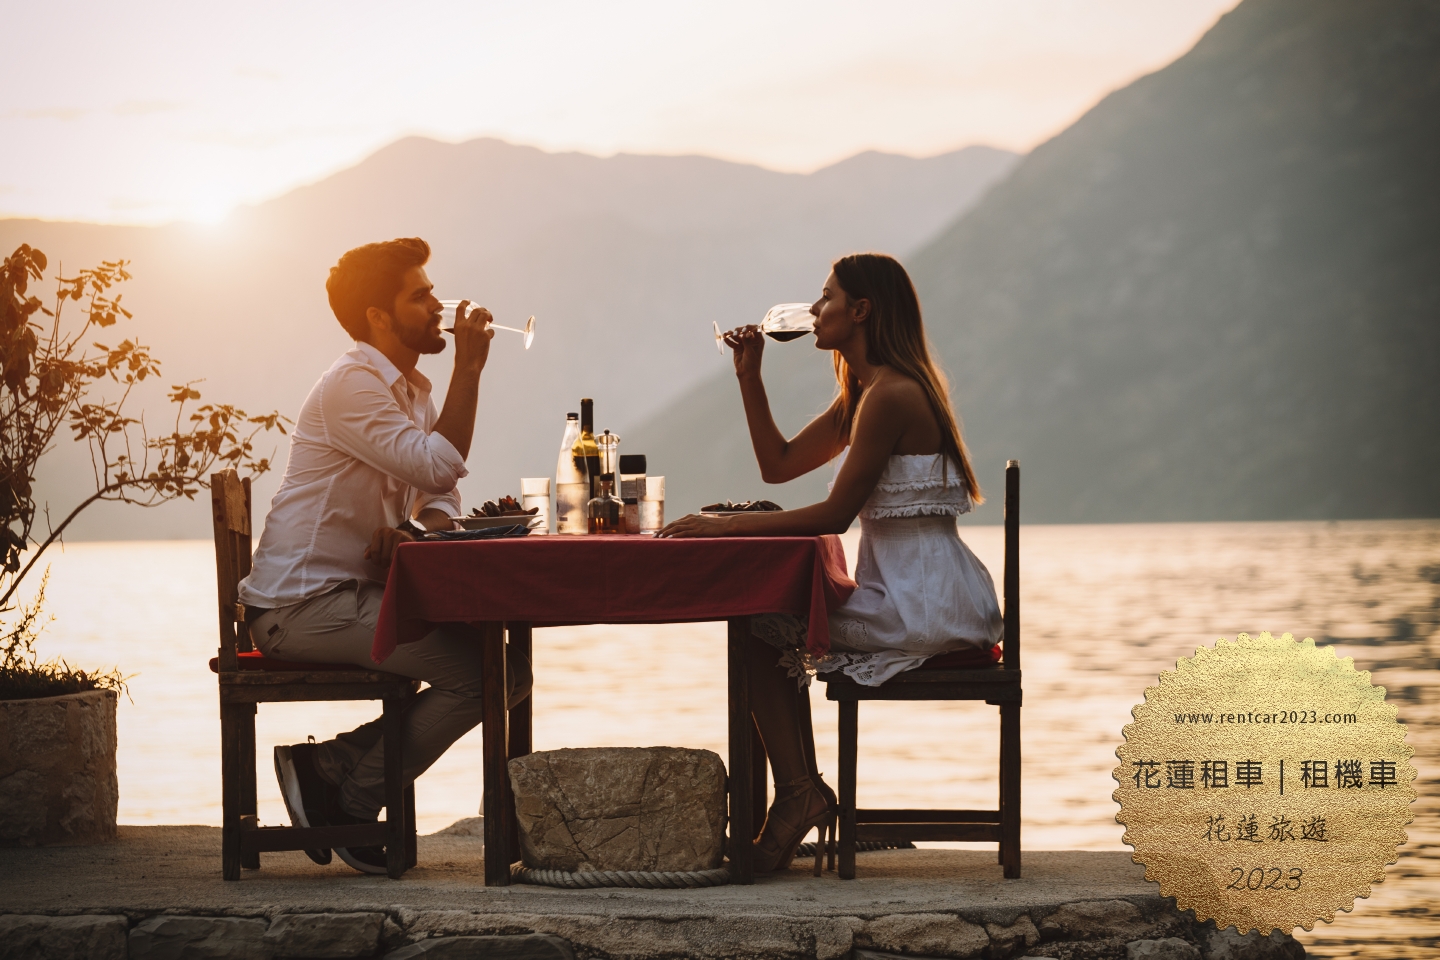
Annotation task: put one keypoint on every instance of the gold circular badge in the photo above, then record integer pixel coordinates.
(1265, 783)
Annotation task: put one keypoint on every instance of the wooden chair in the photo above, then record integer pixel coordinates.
(997, 684)
(248, 678)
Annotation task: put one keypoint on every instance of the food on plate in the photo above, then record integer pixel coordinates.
(748, 506)
(506, 506)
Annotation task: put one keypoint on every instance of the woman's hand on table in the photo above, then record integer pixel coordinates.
(694, 525)
(747, 344)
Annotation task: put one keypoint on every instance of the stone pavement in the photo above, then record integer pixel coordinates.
(156, 892)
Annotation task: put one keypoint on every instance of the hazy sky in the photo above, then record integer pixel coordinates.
(151, 110)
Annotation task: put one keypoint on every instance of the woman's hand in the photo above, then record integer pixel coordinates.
(695, 525)
(748, 345)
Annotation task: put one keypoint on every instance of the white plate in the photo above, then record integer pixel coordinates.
(485, 523)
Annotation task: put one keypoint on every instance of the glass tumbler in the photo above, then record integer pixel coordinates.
(535, 492)
(652, 506)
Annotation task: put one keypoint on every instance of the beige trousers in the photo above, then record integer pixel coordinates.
(339, 627)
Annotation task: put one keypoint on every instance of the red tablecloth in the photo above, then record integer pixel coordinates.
(610, 579)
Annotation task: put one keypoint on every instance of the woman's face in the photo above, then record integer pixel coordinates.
(838, 319)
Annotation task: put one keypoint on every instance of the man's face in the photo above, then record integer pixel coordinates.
(415, 320)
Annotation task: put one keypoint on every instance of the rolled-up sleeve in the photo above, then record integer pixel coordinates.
(362, 419)
(448, 501)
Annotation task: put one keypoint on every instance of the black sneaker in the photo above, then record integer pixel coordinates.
(364, 859)
(303, 789)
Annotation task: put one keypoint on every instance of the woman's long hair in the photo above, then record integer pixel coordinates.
(895, 337)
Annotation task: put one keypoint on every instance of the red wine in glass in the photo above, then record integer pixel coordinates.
(783, 323)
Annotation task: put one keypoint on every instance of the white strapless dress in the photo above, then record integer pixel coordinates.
(922, 592)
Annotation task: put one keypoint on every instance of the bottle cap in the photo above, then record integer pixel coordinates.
(572, 416)
(607, 478)
(632, 463)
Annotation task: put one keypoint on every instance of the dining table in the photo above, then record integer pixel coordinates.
(509, 587)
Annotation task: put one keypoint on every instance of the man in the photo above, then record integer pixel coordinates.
(371, 465)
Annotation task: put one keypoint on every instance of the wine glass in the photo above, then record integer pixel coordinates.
(783, 322)
(452, 307)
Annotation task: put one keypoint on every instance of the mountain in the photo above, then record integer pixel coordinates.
(624, 261)
(1216, 296)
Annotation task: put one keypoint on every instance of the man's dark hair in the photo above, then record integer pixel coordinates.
(371, 276)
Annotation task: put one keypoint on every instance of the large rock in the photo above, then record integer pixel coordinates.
(1228, 944)
(325, 934)
(620, 808)
(926, 934)
(62, 938)
(200, 938)
(1007, 940)
(57, 769)
(1096, 920)
(1166, 948)
(531, 947)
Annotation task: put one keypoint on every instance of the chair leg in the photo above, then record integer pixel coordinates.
(249, 801)
(230, 789)
(397, 845)
(412, 852)
(849, 746)
(1000, 787)
(1010, 790)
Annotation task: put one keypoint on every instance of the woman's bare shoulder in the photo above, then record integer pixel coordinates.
(895, 390)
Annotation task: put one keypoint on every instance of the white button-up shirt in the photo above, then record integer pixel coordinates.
(362, 456)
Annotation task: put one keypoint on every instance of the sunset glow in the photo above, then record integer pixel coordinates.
(164, 110)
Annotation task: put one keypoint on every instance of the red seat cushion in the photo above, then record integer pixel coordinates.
(255, 660)
(963, 659)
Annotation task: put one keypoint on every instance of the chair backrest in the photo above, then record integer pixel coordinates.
(1011, 650)
(230, 509)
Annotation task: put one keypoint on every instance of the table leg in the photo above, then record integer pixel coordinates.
(742, 826)
(520, 742)
(498, 804)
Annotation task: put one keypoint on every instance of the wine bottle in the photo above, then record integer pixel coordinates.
(586, 452)
(572, 492)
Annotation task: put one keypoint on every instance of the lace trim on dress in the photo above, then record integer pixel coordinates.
(923, 483)
(918, 508)
(787, 633)
(860, 667)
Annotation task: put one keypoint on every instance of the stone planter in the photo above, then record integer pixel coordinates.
(57, 770)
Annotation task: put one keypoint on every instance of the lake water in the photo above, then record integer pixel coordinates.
(1106, 608)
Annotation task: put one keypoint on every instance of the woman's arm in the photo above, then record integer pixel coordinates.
(882, 418)
(779, 459)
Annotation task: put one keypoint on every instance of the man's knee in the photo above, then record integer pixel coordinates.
(463, 673)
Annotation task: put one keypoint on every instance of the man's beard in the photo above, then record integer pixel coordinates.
(422, 339)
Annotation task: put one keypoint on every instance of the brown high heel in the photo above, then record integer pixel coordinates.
(779, 839)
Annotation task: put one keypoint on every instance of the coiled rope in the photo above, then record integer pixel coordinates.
(647, 879)
(807, 849)
(660, 879)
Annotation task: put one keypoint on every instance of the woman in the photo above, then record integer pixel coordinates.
(902, 467)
